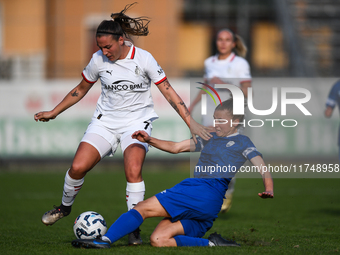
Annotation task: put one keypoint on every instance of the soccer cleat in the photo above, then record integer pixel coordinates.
(226, 203)
(218, 240)
(91, 244)
(135, 238)
(52, 216)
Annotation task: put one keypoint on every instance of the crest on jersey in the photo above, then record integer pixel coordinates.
(230, 143)
(138, 71)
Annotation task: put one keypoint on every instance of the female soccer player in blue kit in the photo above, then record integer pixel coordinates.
(191, 206)
(228, 66)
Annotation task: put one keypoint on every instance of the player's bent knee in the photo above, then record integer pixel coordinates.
(158, 241)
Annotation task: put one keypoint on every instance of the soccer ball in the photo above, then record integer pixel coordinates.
(89, 225)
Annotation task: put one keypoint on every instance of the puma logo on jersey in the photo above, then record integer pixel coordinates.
(110, 72)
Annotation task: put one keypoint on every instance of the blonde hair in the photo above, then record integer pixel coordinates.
(240, 47)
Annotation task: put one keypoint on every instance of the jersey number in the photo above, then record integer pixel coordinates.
(147, 124)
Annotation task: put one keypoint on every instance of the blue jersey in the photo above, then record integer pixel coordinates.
(334, 99)
(334, 96)
(222, 157)
(197, 201)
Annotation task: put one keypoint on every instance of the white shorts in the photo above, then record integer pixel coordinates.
(106, 141)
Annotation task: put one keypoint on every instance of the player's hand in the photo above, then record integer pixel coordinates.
(216, 80)
(198, 129)
(44, 116)
(266, 194)
(141, 136)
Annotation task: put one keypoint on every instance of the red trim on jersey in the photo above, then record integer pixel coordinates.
(92, 82)
(133, 52)
(157, 83)
(233, 57)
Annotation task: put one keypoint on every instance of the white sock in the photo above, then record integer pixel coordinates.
(211, 244)
(71, 189)
(134, 193)
(105, 238)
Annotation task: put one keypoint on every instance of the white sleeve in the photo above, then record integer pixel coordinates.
(90, 72)
(154, 70)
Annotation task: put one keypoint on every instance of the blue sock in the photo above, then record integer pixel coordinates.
(124, 225)
(190, 241)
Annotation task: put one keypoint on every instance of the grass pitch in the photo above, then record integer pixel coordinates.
(303, 218)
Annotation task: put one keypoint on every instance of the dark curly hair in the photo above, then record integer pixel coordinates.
(121, 24)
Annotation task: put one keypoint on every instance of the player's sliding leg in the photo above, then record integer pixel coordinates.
(164, 233)
(85, 159)
(134, 156)
(171, 234)
(125, 224)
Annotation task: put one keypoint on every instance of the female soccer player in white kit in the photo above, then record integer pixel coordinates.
(225, 68)
(124, 106)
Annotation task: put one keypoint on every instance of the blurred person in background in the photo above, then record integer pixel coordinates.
(228, 66)
(124, 106)
(333, 100)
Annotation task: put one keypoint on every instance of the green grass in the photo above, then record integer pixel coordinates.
(303, 218)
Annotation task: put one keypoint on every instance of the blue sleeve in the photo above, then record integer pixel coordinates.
(200, 144)
(250, 151)
(333, 97)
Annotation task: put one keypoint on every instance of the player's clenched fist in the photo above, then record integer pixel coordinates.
(141, 136)
(44, 116)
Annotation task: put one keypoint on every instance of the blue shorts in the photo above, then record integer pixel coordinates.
(195, 202)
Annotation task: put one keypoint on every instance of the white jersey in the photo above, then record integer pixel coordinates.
(232, 70)
(126, 87)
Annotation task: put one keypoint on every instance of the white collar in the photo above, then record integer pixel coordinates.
(228, 59)
(131, 53)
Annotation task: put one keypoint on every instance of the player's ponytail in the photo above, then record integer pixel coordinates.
(121, 24)
(240, 48)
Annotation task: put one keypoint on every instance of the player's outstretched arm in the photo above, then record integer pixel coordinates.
(266, 177)
(169, 146)
(177, 103)
(70, 99)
